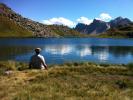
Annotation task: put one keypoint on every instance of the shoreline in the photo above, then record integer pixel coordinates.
(64, 37)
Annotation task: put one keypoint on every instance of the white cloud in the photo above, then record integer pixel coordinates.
(69, 23)
(104, 17)
(59, 21)
(84, 20)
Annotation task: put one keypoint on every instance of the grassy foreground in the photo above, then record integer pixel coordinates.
(83, 81)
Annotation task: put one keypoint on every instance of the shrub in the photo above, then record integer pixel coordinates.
(130, 66)
(104, 65)
(121, 84)
(22, 66)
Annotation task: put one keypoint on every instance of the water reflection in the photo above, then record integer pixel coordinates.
(97, 53)
(120, 51)
(58, 49)
(80, 50)
(102, 53)
(86, 50)
(10, 52)
(65, 52)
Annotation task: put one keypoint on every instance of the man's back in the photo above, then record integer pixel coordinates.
(36, 61)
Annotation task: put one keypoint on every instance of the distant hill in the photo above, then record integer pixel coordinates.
(120, 31)
(98, 27)
(120, 28)
(10, 29)
(119, 21)
(16, 25)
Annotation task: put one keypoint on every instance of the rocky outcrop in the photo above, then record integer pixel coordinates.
(119, 21)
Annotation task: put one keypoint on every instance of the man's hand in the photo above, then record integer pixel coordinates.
(45, 66)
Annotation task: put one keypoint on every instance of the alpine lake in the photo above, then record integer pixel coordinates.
(67, 50)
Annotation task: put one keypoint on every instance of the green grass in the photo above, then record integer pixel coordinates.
(10, 29)
(77, 81)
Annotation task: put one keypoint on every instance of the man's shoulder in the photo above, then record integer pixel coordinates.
(37, 57)
(40, 56)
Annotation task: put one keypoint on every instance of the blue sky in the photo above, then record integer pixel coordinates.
(71, 11)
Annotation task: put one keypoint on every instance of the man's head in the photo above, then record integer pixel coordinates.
(38, 50)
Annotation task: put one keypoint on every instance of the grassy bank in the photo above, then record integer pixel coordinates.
(83, 81)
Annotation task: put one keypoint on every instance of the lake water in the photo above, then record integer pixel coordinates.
(62, 50)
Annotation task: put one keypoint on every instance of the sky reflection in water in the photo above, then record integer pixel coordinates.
(58, 51)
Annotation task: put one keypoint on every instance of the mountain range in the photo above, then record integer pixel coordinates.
(98, 26)
(13, 24)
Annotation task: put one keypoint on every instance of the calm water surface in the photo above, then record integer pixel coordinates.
(62, 50)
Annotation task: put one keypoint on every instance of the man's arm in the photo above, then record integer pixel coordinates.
(44, 64)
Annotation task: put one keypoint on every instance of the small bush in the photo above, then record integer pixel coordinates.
(68, 64)
(76, 64)
(22, 66)
(104, 65)
(121, 84)
(130, 66)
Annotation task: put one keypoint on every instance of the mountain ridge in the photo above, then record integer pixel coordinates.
(99, 26)
(37, 29)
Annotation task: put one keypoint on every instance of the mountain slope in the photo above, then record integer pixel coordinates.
(37, 29)
(10, 29)
(119, 21)
(64, 31)
(119, 32)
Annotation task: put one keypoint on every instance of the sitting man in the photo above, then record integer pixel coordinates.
(37, 61)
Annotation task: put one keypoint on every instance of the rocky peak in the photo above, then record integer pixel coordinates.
(119, 18)
(119, 21)
(97, 26)
(81, 27)
(2, 5)
(98, 21)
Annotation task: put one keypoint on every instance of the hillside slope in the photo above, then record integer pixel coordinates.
(10, 29)
(37, 29)
(119, 32)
